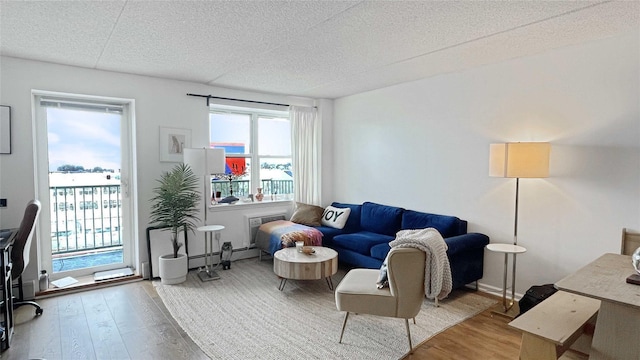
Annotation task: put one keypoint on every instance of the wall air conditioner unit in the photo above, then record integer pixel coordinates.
(254, 222)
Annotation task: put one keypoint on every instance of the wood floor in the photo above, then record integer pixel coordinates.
(120, 322)
(130, 322)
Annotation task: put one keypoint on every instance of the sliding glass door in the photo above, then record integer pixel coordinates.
(84, 167)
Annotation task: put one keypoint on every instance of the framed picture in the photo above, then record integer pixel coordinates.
(5, 129)
(172, 143)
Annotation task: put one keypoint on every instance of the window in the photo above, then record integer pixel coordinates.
(253, 136)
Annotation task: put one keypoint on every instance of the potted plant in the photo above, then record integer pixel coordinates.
(175, 207)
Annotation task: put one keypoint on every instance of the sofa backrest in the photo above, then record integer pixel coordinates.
(353, 222)
(381, 219)
(448, 226)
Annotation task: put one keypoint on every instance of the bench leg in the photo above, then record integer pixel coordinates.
(535, 348)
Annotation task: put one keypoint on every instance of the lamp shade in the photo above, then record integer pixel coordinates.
(519, 160)
(205, 161)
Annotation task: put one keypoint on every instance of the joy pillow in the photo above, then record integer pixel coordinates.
(335, 217)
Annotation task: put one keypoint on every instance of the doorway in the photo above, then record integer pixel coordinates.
(84, 171)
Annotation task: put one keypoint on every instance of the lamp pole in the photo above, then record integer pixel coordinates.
(515, 242)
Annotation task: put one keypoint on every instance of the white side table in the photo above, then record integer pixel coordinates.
(210, 231)
(513, 250)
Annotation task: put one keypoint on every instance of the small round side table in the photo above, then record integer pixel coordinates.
(507, 249)
(210, 231)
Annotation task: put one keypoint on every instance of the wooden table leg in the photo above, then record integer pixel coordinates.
(535, 348)
(616, 334)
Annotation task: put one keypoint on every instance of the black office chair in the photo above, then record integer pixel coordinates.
(20, 251)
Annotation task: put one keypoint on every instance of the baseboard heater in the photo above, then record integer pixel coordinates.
(254, 222)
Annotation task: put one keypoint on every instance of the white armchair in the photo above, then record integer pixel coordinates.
(358, 292)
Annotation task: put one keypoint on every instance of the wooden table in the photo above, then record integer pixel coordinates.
(288, 263)
(617, 331)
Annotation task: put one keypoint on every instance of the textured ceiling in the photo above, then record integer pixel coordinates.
(320, 49)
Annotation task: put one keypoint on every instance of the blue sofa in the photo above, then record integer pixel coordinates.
(364, 240)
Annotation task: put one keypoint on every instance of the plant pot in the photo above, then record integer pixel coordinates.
(173, 270)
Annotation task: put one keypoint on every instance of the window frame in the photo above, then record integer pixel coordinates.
(253, 154)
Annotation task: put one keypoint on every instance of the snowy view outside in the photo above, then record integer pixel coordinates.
(84, 181)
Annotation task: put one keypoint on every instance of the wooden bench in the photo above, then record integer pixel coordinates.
(550, 328)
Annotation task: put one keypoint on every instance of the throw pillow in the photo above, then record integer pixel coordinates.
(307, 214)
(383, 278)
(335, 217)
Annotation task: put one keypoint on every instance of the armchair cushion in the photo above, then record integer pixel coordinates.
(357, 292)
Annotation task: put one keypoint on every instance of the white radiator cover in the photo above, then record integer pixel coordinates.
(254, 221)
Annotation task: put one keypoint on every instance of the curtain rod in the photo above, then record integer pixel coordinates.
(209, 97)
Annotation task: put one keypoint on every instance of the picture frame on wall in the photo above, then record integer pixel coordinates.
(5, 129)
(172, 143)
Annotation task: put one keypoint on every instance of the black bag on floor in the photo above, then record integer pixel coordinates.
(534, 296)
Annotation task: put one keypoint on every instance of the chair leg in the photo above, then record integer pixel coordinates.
(436, 302)
(20, 291)
(344, 324)
(414, 321)
(406, 324)
(37, 306)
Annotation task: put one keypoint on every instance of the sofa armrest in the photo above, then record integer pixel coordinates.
(465, 242)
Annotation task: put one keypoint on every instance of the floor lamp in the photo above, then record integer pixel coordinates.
(516, 160)
(204, 163)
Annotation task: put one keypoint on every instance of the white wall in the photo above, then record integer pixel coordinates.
(159, 103)
(421, 145)
(424, 145)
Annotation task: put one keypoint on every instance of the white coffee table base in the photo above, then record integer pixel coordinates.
(290, 264)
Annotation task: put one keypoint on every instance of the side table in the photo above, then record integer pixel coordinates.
(210, 231)
(507, 249)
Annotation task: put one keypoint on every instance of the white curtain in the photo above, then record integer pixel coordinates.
(306, 154)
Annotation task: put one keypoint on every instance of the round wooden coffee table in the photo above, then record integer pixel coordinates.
(288, 263)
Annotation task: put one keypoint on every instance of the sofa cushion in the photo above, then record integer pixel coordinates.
(380, 251)
(381, 219)
(335, 217)
(447, 225)
(353, 222)
(306, 214)
(361, 242)
(328, 234)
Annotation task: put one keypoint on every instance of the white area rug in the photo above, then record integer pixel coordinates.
(244, 316)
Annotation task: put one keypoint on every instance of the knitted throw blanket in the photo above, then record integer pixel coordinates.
(437, 271)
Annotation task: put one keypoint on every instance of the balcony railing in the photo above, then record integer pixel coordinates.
(85, 218)
(241, 187)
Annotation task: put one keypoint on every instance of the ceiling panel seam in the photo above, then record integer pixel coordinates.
(113, 29)
(235, 68)
(457, 45)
